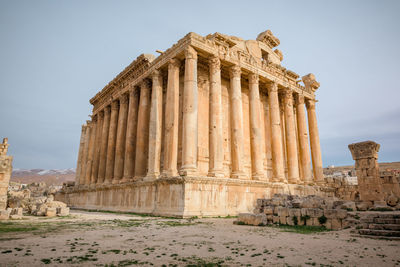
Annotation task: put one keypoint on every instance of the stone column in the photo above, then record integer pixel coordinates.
(92, 145)
(103, 146)
(216, 151)
(155, 128)
(96, 156)
(130, 146)
(367, 170)
(291, 140)
(190, 113)
(236, 123)
(142, 137)
(171, 120)
(85, 154)
(314, 141)
(257, 159)
(276, 134)
(80, 155)
(303, 140)
(112, 138)
(121, 139)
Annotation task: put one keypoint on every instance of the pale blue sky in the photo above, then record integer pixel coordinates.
(55, 55)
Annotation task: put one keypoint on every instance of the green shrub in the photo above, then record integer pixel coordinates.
(295, 220)
(322, 219)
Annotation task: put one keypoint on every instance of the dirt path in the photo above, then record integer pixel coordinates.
(99, 239)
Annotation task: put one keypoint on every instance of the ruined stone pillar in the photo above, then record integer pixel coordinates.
(257, 156)
(80, 155)
(155, 128)
(171, 120)
(96, 156)
(112, 138)
(276, 134)
(190, 113)
(121, 139)
(367, 170)
(216, 151)
(131, 128)
(237, 123)
(92, 145)
(103, 145)
(5, 175)
(142, 137)
(291, 139)
(314, 141)
(85, 154)
(303, 140)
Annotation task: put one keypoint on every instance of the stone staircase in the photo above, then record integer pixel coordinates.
(380, 225)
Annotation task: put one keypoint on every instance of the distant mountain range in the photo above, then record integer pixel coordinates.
(50, 177)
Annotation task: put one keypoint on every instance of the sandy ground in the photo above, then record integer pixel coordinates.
(103, 239)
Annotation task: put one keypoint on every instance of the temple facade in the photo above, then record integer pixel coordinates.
(204, 129)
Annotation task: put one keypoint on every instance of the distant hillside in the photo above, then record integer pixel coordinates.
(50, 177)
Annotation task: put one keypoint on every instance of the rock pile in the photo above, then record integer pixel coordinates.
(295, 210)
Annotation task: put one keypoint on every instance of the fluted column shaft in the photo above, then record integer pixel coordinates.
(80, 155)
(89, 163)
(171, 120)
(237, 123)
(85, 154)
(190, 114)
(155, 128)
(103, 146)
(121, 138)
(314, 141)
(96, 156)
(257, 155)
(276, 134)
(216, 151)
(303, 140)
(130, 146)
(291, 139)
(112, 138)
(142, 137)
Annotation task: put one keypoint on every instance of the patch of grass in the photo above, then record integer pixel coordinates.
(300, 229)
(46, 261)
(382, 209)
(176, 223)
(7, 227)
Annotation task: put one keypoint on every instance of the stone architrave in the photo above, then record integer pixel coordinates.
(314, 141)
(305, 159)
(236, 122)
(291, 140)
(276, 134)
(112, 138)
(190, 114)
(155, 127)
(142, 136)
(130, 146)
(121, 139)
(257, 158)
(367, 170)
(216, 153)
(171, 120)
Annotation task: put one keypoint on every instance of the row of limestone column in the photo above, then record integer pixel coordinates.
(123, 141)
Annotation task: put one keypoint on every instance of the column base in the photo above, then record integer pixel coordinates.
(294, 181)
(239, 175)
(257, 176)
(170, 173)
(216, 174)
(107, 181)
(278, 180)
(125, 179)
(151, 177)
(188, 171)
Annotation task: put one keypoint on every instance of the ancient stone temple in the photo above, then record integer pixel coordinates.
(205, 128)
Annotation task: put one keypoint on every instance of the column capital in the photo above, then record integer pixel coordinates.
(156, 74)
(214, 63)
(310, 103)
(145, 84)
(101, 114)
(174, 63)
(300, 99)
(272, 86)
(107, 109)
(94, 117)
(235, 71)
(123, 99)
(287, 94)
(114, 105)
(190, 53)
(254, 78)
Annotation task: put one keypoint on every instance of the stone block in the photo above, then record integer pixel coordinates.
(336, 224)
(275, 219)
(282, 220)
(295, 212)
(51, 212)
(303, 212)
(310, 222)
(63, 211)
(289, 221)
(328, 224)
(268, 210)
(341, 214)
(330, 213)
(15, 217)
(315, 221)
(314, 213)
(283, 212)
(4, 214)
